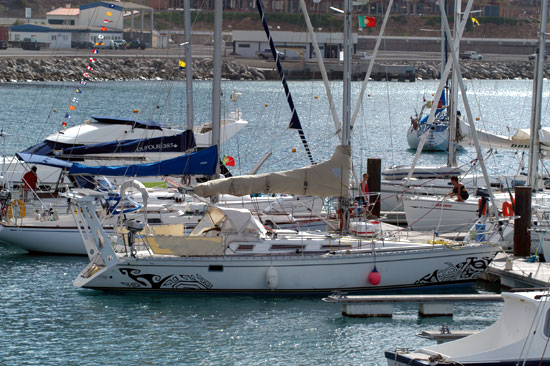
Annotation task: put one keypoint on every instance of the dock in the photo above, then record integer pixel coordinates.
(518, 272)
(366, 306)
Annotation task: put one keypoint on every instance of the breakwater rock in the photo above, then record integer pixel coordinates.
(482, 70)
(71, 69)
(124, 68)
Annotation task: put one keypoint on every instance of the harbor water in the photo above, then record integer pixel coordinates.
(46, 321)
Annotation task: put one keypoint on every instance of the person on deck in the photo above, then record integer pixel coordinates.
(459, 191)
(29, 182)
(365, 189)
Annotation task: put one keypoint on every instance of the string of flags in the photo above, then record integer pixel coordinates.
(475, 21)
(89, 68)
(366, 22)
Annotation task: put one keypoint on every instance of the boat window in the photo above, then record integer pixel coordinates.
(215, 268)
(546, 329)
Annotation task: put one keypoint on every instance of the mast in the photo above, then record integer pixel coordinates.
(216, 83)
(534, 148)
(453, 97)
(189, 63)
(346, 104)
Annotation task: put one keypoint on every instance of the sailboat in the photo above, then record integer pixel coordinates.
(229, 251)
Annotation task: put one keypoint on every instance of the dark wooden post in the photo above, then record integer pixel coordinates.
(522, 235)
(374, 169)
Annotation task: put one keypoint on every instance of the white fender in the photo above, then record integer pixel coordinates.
(272, 278)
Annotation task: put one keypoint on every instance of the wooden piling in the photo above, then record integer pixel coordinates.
(522, 235)
(374, 169)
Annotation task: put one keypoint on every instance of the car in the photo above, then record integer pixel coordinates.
(534, 56)
(471, 55)
(266, 54)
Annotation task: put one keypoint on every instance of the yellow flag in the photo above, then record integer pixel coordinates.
(474, 20)
(182, 64)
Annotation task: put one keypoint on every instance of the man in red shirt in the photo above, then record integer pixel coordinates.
(29, 182)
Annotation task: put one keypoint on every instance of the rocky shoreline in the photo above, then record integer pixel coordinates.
(71, 69)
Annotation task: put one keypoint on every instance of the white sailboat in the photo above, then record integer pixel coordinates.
(231, 252)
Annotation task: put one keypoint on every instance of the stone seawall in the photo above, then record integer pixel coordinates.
(69, 69)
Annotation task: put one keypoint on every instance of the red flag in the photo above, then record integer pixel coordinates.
(91, 59)
(229, 161)
(90, 68)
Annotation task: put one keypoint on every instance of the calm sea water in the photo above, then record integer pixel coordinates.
(46, 321)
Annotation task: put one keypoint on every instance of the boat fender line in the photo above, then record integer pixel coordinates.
(272, 278)
(17, 206)
(507, 209)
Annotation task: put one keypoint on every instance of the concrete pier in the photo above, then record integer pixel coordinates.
(382, 305)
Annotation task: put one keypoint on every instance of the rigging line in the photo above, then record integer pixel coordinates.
(295, 120)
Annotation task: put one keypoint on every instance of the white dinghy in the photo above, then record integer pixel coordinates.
(519, 337)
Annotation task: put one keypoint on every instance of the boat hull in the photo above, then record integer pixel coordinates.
(432, 213)
(437, 140)
(295, 273)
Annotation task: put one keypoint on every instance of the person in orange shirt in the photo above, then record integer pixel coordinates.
(29, 182)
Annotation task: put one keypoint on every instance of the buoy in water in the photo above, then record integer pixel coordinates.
(315, 97)
(272, 278)
(293, 149)
(136, 110)
(374, 277)
(266, 105)
(477, 118)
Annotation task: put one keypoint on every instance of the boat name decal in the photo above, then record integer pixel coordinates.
(173, 281)
(156, 147)
(472, 268)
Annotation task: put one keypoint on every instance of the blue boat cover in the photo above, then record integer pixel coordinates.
(148, 125)
(200, 162)
(43, 160)
(177, 143)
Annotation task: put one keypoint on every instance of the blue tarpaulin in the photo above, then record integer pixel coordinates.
(43, 160)
(200, 162)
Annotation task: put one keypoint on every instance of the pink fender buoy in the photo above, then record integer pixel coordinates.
(374, 277)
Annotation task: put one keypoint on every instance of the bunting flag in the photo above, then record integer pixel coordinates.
(72, 108)
(64, 124)
(78, 91)
(475, 21)
(95, 52)
(86, 75)
(366, 22)
(91, 59)
(75, 99)
(111, 6)
(103, 29)
(67, 116)
(228, 161)
(182, 64)
(107, 21)
(83, 82)
(109, 13)
(90, 68)
(99, 43)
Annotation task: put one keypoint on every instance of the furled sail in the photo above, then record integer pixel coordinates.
(520, 140)
(330, 178)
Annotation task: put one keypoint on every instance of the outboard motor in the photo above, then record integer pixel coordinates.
(483, 202)
(134, 227)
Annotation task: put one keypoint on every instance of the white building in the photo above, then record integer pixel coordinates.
(293, 44)
(97, 24)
